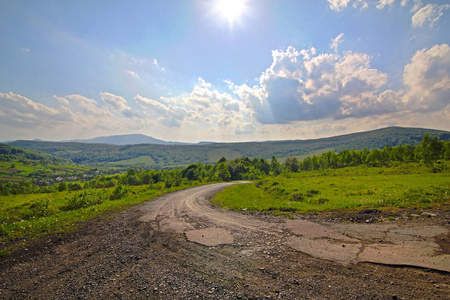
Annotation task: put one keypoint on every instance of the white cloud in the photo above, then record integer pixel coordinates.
(132, 74)
(23, 112)
(246, 128)
(304, 86)
(382, 3)
(116, 102)
(336, 42)
(168, 115)
(83, 105)
(338, 5)
(427, 78)
(430, 14)
(422, 15)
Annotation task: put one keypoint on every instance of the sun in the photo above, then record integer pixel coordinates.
(230, 10)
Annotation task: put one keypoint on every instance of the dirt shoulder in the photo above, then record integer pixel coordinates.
(125, 257)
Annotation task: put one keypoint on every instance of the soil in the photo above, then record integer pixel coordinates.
(169, 248)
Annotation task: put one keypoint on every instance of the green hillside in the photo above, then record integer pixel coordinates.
(170, 156)
(11, 153)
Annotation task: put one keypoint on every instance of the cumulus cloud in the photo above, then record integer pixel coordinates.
(429, 14)
(169, 115)
(116, 102)
(20, 111)
(303, 85)
(427, 78)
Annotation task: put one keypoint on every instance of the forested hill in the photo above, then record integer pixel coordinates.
(11, 153)
(169, 156)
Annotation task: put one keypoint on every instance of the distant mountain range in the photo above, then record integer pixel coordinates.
(140, 150)
(129, 139)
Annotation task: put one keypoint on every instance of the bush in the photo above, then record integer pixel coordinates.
(311, 193)
(74, 187)
(319, 201)
(119, 192)
(85, 199)
(40, 208)
(297, 197)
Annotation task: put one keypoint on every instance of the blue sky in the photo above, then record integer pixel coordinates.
(242, 70)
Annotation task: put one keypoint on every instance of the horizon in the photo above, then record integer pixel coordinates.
(216, 142)
(222, 71)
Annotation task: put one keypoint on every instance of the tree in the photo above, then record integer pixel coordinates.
(264, 166)
(275, 166)
(222, 172)
(62, 186)
(430, 150)
(291, 163)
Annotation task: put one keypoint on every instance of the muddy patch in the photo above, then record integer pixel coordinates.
(210, 236)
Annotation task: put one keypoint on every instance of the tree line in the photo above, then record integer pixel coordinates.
(428, 153)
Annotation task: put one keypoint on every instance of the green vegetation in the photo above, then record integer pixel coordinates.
(10, 153)
(43, 173)
(176, 156)
(393, 177)
(33, 215)
(402, 176)
(398, 186)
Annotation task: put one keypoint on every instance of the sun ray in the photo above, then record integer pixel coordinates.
(230, 11)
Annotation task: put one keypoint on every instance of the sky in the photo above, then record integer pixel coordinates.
(222, 70)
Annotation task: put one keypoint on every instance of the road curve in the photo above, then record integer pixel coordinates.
(190, 212)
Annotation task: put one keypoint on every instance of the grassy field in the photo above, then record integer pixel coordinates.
(139, 161)
(405, 185)
(23, 217)
(17, 171)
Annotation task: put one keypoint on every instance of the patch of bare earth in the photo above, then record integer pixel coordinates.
(127, 257)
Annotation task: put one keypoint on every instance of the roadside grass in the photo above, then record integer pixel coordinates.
(24, 217)
(353, 188)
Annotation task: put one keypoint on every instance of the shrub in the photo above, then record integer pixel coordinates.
(319, 201)
(74, 187)
(85, 199)
(40, 208)
(297, 197)
(311, 193)
(119, 192)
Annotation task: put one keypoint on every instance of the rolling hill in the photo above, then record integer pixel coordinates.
(170, 156)
(127, 139)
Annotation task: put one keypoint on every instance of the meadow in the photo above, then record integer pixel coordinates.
(28, 216)
(16, 171)
(405, 185)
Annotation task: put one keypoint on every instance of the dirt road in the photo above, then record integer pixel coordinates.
(180, 247)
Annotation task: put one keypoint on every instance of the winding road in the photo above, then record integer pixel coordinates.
(190, 212)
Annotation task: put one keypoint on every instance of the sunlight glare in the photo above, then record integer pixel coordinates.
(231, 10)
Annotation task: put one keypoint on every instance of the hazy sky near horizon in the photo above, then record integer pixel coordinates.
(222, 70)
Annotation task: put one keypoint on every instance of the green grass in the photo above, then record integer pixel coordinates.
(402, 186)
(22, 171)
(310, 154)
(32, 216)
(139, 161)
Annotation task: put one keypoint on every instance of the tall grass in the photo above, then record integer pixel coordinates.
(33, 215)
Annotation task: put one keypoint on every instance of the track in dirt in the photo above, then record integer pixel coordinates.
(189, 211)
(143, 253)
